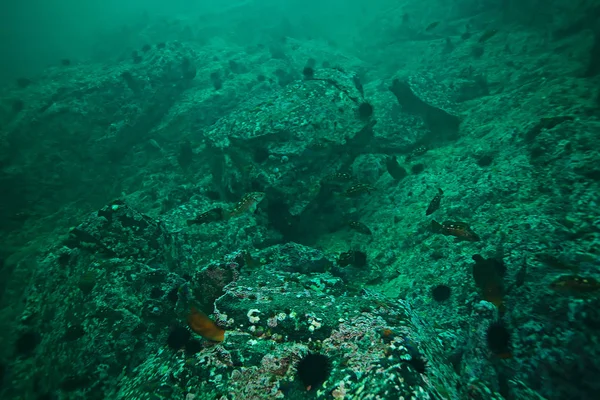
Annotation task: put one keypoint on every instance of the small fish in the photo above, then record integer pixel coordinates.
(387, 335)
(359, 227)
(355, 258)
(214, 215)
(419, 151)
(248, 203)
(358, 189)
(575, 283)
(395, 170)
(556, 262)
(20, 216)
(498, 339)
(487, 35)
(460, 230)
(488, 274)
(358, 85)
(416, 361)
(320, 145)
(204, 326)
(435, 203)
(345, 259)
(250, 261)
(432, 26)
(521, 274)
(338, 177)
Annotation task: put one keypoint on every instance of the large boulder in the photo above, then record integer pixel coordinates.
(292, 140)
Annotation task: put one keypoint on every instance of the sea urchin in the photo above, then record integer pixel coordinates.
(313, 370)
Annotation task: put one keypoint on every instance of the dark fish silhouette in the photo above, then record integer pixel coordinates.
(396, 171)
(498, 340)
(358, 189)
(359, 227)
(248, 203)
(575, 283)
(338, 177)
(487, 35)
(435, 203)
(432, 26)
(419, 151)
(358, 85)
(488, 274)
(214, 215)
(459, 230)
(355, 258)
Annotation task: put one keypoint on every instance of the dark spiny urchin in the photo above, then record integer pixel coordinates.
(193, 346)
(178, 337)
(441, 293)
(308, 72)
(313, 370)
(417, 168)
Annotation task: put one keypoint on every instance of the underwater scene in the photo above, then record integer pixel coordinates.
(300, 199)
